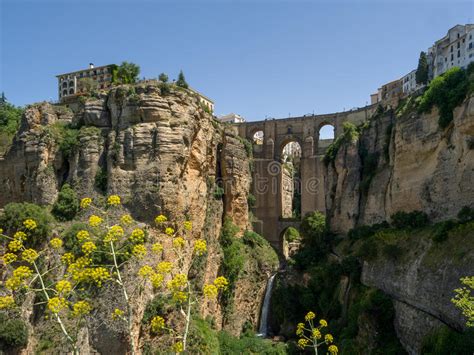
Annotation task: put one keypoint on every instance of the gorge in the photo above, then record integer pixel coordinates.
(383, 287)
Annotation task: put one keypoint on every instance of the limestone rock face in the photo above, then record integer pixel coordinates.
(414, 166)
(403, 164)
(161, 154)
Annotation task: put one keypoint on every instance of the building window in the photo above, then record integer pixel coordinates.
(64, 84)
(451, 48)
(452, 57)
(459, 54)
(64, 92)
(459, 44)
(71, 91)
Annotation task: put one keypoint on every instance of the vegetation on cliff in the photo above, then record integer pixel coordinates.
(10, 117)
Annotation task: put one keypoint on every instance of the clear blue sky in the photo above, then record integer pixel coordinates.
(255, 58)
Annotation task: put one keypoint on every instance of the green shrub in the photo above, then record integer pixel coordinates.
(392, 251)
(251, 201)
(15, 214)
(202, 338)
(442, 229)
(351, 267)
(445, 341)
(67, 205)
(218, 192)
(292, 234)
(253, 239)
(158, 306)
(71, 243)
(13, 333)
(165, 88)
(446, 92)
(368, 250)
(313, 228)
(414, 219)
(350, 135)
(466, 214)
(100, 180)
(64, 135)
(366, 231)
(230, 345)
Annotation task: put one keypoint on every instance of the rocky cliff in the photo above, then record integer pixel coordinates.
(162, 153)
(406, 162)
(403, 162)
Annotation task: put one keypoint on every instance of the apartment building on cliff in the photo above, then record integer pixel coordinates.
(455, 49)
(76, 82)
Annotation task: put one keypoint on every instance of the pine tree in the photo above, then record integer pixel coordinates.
(182, 81)
(422, 70)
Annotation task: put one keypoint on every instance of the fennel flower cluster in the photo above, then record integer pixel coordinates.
(311, 334)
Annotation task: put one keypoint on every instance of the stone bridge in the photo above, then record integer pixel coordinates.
(270, 179)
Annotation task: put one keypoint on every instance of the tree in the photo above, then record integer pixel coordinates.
(67, 204)
(163, 77)
(3, 99)
(181, 82)
(127, 73)
(464, 299)
(422, 70)
(87, 85)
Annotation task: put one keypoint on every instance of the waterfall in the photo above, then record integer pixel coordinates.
(262, 331)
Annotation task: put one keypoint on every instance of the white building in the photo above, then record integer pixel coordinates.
(409, 85)
(232, 118)
(71, 83)
(456, 49)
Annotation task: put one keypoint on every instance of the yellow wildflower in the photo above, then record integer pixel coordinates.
(29, 255)
(221, 283)
(157, 324)
(137, 236)
(30, 224)
(180, 296)
(302, 343)
(83, 235)
(178, 242)
(188, 225)
(210, 291)
(114, 233)
(1, 231)
(333, 350)
(309, 316)
(200, 247)
(8, 258)
(160, 219)
(56, 304)
(67, 258)
(316, 334)
(169, 231)
(113, 200)
(56, 243)
(157, 248)
(323, 323)
(117, 313)
(6, 302)
(178, 347)
(328, 338)
(81, 308)
(156, 280)
(146, 271)
(88, 247)
(63, 286)
(85, 202)
(95, 221)
(15, 245)
(177, 282)
(19, 236)
(22, 272)
(139, 251)
(164, 267)
(126, 219)
(13, 283)
(300, 329)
